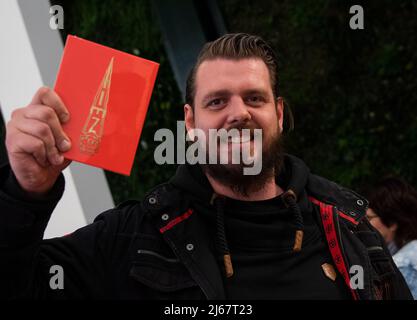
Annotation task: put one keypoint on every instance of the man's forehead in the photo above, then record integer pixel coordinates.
(221, 74)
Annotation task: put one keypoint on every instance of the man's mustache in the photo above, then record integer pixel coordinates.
(241, 126)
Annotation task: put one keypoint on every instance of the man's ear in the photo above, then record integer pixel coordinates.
(189, 117)
(280, 112)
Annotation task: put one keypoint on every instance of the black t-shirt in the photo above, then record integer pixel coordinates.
(260, 235)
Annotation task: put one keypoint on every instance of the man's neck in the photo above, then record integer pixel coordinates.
(268, 191)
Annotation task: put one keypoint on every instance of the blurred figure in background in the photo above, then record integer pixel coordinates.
(393, 212)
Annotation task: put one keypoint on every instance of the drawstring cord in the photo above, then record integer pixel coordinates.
(222, 244)
(290, 200)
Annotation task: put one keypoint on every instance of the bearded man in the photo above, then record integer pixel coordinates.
(212, 231)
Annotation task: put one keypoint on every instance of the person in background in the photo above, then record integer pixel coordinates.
(393, 212)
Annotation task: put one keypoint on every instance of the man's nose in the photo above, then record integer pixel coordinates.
(238, 111)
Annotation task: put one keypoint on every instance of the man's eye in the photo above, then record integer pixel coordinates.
(255, 99)
(215, 102)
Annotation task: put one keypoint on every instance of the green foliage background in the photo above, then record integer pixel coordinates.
(353, 92)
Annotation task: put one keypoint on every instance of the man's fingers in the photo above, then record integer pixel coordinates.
(43, 132)
(50, 98)
(48, 116)
(25, 143)
(35, 141)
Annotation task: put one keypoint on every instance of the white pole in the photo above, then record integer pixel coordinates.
(30, 52)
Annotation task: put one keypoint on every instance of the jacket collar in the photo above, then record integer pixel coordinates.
(351, 204)
(296, 177)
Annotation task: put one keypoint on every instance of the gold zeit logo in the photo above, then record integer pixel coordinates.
(92, 131)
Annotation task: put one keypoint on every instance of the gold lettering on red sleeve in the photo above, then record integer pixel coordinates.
(92, 131)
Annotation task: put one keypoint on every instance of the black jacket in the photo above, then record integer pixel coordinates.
(159, 248)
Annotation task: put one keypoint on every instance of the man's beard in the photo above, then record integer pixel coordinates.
(232, 175)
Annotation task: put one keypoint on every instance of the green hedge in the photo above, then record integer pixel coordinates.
(353, 92)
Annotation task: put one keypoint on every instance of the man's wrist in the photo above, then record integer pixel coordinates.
(12, 187)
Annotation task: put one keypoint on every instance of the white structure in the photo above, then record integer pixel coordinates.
(30, 53)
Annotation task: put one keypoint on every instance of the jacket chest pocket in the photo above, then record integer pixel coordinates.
(160, 272)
